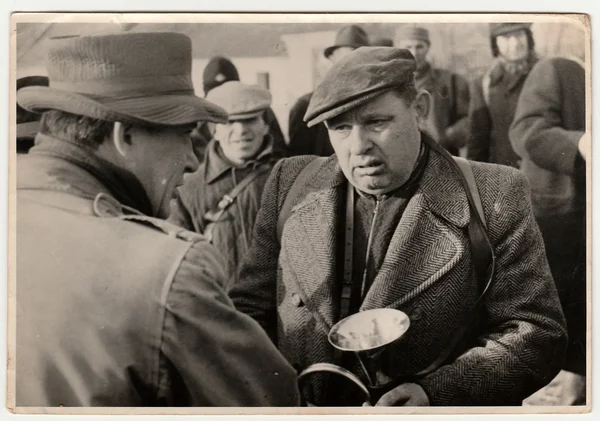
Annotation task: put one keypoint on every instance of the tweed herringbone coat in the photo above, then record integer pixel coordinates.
(427, 273)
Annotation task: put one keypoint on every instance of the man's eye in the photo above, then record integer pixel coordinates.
(377, 124)
(342, 128)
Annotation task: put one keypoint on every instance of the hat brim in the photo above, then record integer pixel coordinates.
(28, 130)
(246, 116)
(348, 106)
(164, 110)
(329, 50)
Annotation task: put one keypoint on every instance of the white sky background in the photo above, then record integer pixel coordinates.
(574, 6)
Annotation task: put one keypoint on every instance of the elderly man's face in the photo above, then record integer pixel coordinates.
(514, 45)
(418, 48)
(241, 140)
(377, 144)
(160, 157)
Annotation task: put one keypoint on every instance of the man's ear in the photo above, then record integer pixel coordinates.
(122, 138)
(423, 107)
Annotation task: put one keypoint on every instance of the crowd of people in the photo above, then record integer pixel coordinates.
(177, 250)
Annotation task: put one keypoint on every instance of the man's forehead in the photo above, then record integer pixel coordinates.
(384, 103)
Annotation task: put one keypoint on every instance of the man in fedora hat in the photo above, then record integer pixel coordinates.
(117, 307)
(495, 95)
(221, 199)
(315, 140)
(392, 221)
(448, 119)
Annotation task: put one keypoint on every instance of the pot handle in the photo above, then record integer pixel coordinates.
(335, 369)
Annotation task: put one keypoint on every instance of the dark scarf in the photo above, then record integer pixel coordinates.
(122, 184)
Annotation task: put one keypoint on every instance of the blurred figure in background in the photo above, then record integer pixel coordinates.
(218, 71)
(28, 123)
(494, 96)
(315, 140)
(382, 42)
(222, 198)
(548, 133)
(448, 120)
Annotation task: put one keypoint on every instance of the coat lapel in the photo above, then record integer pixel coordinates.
(427, 243)
(310, 241)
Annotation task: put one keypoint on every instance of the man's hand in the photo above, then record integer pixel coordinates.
(407, 394)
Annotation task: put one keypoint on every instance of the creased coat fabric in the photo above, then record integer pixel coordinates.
(202, 191)
(549, 122)
(115, 308)
(448, 117)
(427, 273)
(493, 101)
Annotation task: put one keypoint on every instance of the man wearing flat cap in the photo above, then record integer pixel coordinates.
(221, 199)
(447, 122)
(388, 222)
(314, 140)
(220, 70)
(115, 306)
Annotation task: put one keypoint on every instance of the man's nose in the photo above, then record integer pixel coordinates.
(360, 141)
(191, 160)
(238, 127)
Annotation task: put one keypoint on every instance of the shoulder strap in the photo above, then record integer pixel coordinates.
(226, 201)
(467, 171)
(300, 181)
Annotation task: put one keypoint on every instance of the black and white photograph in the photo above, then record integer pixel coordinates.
(299, 213)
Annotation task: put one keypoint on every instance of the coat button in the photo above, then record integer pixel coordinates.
(296, 300)
(416, 313)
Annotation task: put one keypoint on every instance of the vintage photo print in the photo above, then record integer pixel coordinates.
(299, 213)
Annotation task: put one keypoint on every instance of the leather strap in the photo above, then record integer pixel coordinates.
(348, 249)
(226, 201)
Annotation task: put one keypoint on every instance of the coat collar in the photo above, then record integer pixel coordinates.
(58, 165)
(216, 164)
(313, 227)
(441, 188)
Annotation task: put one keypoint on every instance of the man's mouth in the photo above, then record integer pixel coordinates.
(371, 167)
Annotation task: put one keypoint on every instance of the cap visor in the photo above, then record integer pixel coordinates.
(164, 110)
(347, 106)
(246, 116)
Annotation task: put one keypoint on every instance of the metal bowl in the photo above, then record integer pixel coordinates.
(369, 330)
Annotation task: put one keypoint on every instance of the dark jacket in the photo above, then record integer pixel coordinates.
(202, 191)
(448, 117)
(549, 122)
(427, 273)
(494, 99)
(115, 308)
(307, 140)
